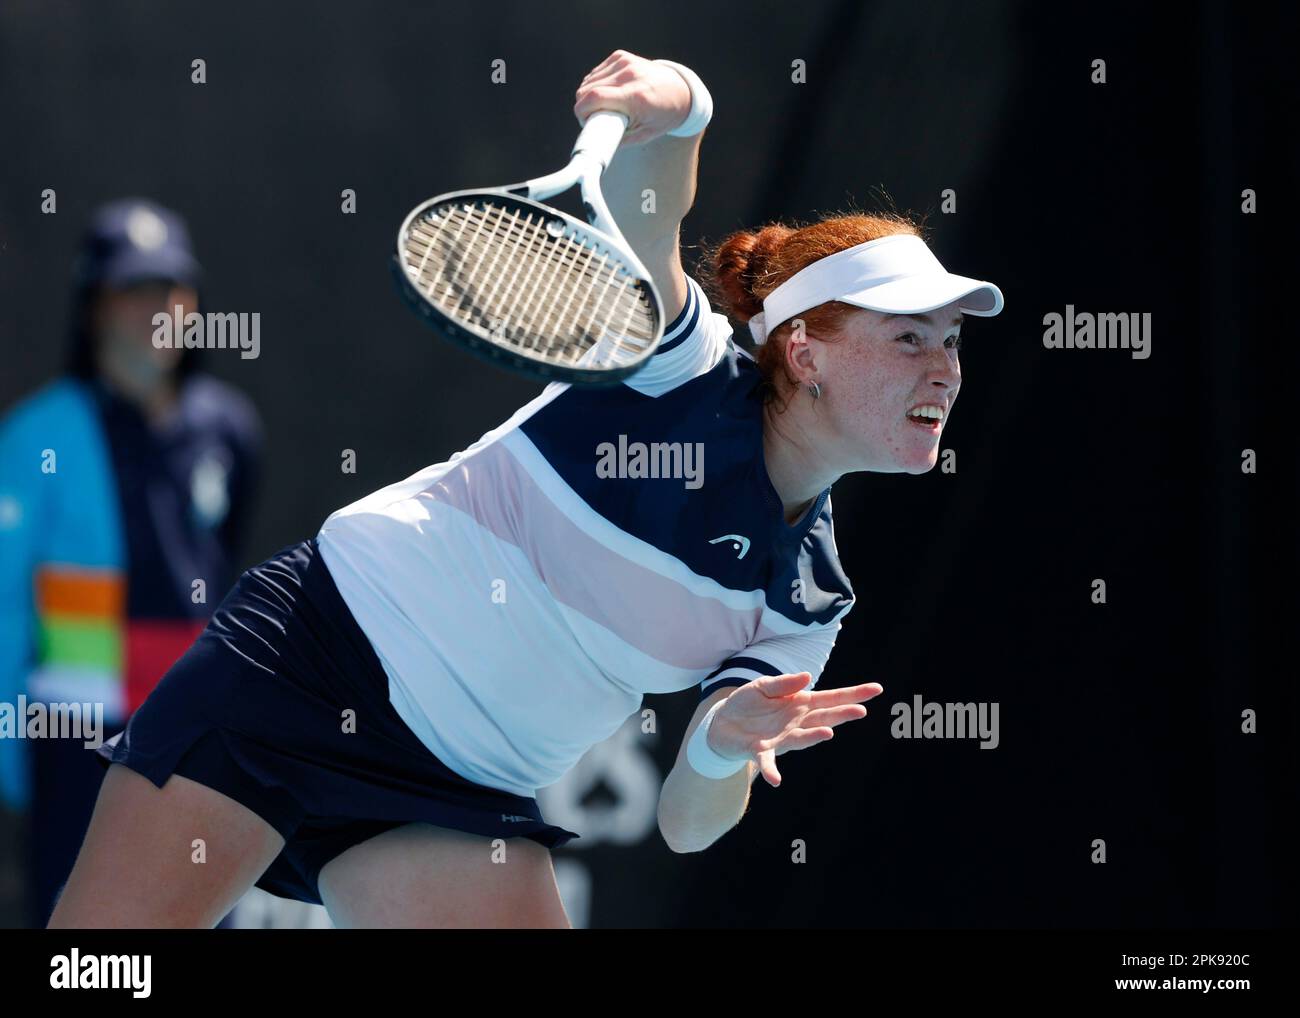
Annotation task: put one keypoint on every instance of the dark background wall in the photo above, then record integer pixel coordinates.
(1118, 721)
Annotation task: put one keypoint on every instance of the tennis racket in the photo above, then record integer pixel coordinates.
(528, 286)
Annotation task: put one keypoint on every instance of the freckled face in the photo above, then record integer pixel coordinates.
(879, 377)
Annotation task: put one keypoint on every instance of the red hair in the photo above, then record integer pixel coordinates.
(747, 265)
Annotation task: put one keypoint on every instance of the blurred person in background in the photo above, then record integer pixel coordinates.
(123, 484)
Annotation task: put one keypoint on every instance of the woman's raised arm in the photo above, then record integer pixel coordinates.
(650, 184)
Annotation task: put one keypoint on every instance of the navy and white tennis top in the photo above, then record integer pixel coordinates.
(599, 545)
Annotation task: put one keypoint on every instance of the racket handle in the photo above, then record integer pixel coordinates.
(600, 136)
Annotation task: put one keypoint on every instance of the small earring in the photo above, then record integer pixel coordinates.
(815, 389)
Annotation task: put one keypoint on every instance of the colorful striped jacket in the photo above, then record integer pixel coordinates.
(110, 529)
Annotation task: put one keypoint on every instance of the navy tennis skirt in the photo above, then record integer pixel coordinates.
(255, 709)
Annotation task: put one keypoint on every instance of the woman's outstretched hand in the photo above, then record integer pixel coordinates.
(775, 714)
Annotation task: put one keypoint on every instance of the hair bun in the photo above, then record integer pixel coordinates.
(740, 265)
(748, 265)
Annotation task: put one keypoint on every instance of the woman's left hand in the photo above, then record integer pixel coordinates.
(775, 714)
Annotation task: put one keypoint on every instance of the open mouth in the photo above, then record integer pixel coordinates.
(928, 417)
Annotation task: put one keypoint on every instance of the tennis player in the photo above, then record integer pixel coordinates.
(369, 714)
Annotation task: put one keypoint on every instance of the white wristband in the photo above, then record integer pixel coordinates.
(701, 103)
(703, 758)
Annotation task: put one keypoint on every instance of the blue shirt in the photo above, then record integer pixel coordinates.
(600, 544)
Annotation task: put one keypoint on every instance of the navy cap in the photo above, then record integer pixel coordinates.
(132, 240)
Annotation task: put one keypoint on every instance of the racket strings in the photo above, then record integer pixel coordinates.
(538, 300)
(540, 292)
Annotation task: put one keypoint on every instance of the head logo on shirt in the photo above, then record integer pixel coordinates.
(741, 545)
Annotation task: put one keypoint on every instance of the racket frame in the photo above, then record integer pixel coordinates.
(591, 154)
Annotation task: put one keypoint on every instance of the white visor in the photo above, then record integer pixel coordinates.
(897, 274)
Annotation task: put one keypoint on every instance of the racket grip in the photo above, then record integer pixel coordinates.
(600, 136)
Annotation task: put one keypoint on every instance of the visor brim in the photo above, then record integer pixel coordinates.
(915, 295)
